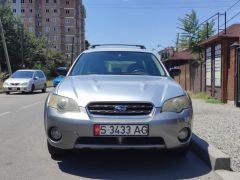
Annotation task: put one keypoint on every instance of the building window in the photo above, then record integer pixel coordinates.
(38, 23)
(47, 10)
(55, 38)
(67, 2)
(55, 10)
(55, 1)
(67, 20)
(30, 20)
(47, 29)
(14, 10)
(47, 19)
(67, 11)
(208, 66)
(67, 29)
(54, 20)
(54, 29)
(47, 1)
(22, 1)
(30, 29)
(22, 10)
(30, 1)
(14, 1)
(30, 10)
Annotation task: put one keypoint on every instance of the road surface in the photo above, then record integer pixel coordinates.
(24, 155)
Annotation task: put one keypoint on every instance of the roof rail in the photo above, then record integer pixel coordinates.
(130, 45)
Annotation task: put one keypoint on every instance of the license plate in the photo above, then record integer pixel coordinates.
(121, 130)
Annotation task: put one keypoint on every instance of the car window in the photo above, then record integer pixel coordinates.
(35, 75)
(22, 74)
(119, 63)
(40, 74)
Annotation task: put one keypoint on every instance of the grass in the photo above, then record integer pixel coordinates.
(50, 83)
(205, 97)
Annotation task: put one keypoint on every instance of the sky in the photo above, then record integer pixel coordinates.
(153, 23)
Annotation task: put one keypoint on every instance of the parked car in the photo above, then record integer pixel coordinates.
(57, 80)
(25, 81)
(118, 98)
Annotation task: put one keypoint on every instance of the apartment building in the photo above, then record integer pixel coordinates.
(61, 22)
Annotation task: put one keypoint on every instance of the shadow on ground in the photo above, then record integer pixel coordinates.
(132, 164)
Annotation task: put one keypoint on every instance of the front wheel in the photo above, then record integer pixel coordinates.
(44, 88)
(54, 151)
(32, 88)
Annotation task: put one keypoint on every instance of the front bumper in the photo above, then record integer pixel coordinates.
(18, 88)
(74, 126)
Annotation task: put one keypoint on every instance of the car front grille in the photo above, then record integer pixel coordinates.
(115, 108)
(124, 141)
(14, 84)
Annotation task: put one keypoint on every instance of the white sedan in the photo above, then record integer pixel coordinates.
(25, 81)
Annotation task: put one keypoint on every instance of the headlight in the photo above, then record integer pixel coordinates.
(5, 84)
(63, 104)
(176, 104)
(24, 84)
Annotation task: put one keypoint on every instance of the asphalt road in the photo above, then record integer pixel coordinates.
(23, 152)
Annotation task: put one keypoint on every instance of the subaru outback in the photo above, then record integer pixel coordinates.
(118, 97)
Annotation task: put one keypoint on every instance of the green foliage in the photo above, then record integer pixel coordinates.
(193, 33)
(205, 97)
(35, 53)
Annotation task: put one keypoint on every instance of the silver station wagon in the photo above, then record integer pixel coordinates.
(118, 97)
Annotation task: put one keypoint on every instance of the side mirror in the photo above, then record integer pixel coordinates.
(62, 71)
(36, 78)
(5, 76)
(174, 72)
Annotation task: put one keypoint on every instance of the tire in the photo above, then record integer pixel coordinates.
(55, 152)
(44, 89)
(33, 88)
(7, 92)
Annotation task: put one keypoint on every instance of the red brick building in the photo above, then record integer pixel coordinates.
(222, 71)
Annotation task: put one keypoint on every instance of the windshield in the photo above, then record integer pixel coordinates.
(118, 63)
(22, 74)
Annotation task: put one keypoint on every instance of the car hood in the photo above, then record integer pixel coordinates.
(18, 80)
(119, 88)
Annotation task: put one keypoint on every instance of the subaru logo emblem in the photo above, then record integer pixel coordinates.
(120, 108)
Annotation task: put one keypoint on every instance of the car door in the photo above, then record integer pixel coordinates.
(36, 81)
(42, 79)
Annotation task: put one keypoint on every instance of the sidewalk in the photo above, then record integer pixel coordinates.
(220, 126)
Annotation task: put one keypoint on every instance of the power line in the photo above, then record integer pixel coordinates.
(152, 8)
(233, 16)
(233, 5)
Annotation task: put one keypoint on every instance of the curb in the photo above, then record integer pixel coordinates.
(215, 158)
(228, 175)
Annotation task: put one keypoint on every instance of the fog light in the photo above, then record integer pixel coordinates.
(55, 134)
(183, 134)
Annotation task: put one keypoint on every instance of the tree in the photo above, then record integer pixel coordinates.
(35, 52)
(87, 44)
(193, 33)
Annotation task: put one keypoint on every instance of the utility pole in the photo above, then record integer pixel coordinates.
(47, 49)
(177, 43)
(5, 48)
(22, 49)
(72, 50)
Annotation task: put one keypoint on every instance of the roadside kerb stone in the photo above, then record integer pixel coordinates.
(215, 158)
